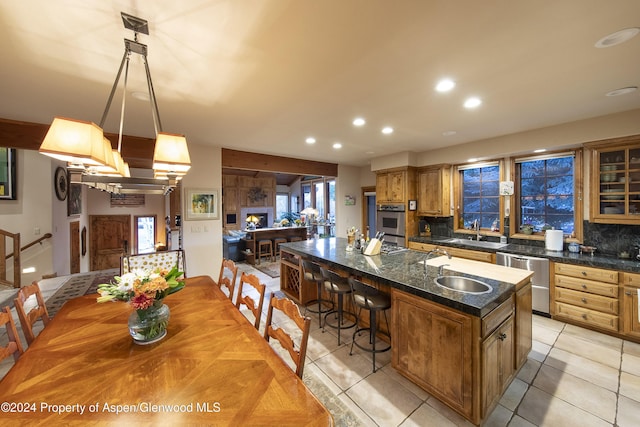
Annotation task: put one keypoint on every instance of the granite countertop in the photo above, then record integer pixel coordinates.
(404, 271)
(566, 257)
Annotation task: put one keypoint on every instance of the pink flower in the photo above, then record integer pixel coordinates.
(141, 301)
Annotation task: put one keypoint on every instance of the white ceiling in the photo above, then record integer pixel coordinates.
(262, 75)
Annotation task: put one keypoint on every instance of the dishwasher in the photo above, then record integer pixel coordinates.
(539, 280)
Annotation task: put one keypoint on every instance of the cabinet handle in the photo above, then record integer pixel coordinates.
(502, 336)
(584, 273)
(628, 293)
(584, 286)
(584, 300)
(584, 316)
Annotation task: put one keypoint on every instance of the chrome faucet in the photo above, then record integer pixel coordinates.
(441, 269)
(476, 228)
(432, 252)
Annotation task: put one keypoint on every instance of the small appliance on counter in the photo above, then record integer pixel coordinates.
(553, 240)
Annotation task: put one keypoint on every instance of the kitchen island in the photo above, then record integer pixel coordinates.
(463, 348)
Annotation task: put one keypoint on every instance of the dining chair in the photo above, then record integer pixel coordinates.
(30, 312)
(228, 276)
(14, 346)
(290, 309)
(256, 308)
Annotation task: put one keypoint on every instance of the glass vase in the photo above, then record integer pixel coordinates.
(149, 325)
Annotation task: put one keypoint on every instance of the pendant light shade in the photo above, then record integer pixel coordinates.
(75, 141)
(171, 154)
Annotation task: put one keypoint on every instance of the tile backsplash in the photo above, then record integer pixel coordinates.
(609, 239)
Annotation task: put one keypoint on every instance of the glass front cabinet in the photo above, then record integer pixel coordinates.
(615, 183)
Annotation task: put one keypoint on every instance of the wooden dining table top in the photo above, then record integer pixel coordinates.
(212, 368)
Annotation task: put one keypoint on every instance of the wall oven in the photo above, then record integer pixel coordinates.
(390, 219)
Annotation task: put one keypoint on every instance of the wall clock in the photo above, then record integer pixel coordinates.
(60, 183)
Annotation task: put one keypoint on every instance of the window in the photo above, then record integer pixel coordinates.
(145, 236)
(546, 193)
(478, 196)
(282, 205)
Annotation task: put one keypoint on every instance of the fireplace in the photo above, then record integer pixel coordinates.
(263, 217)
(264, 214)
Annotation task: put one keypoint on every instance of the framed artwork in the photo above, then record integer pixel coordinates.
(74, 200)
(8, 174)
(201, 204)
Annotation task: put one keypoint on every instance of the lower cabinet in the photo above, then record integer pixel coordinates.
(498, 366)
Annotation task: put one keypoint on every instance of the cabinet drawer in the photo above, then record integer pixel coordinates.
(457, 252)
(586, 316)
(494, 319)
(590, 301)
(587, 272)
(632, 279)
(584, 285)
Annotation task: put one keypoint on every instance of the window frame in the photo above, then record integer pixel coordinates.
(457, 191)
(578, 199)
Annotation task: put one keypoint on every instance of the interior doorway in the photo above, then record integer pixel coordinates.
(369, 210)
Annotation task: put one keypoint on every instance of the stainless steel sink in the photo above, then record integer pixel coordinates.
(463, 284)
(476, 243)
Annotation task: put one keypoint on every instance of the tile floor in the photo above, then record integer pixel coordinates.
(573, 377)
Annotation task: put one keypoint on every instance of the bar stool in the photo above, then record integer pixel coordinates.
(276, 245)
(338, 286)
(369, 298)
(311, 272)
(265, 248)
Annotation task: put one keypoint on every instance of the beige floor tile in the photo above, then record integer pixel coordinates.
(427, 416)
(630, 386)
(448, 413)
(594, 372)
(628, 412)
(595, 351)
(545, 410)
(518, 421)
(547, 323)
(413, 388)
(499, 417)
(545, 335)
(365, 420)
(631, 363)
(580, 393)
(320, 344)
(629, 347)
(386, 401)
(593, 336)
(312, 369)
(529, 370)
(514, 394)
(539, 351)
(343, 369)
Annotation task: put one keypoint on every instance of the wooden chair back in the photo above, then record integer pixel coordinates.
(39, 311)
(291, 310)
(228, 275)
(14, 345)
(256, 308)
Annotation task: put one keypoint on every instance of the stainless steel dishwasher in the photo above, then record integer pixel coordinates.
(539, 280)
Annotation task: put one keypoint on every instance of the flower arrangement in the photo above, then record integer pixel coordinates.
(284, 222)
(298, 222)
(142, 287)
(145, 290)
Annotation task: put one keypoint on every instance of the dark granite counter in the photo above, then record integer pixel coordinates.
(564, 257)
(402, 271)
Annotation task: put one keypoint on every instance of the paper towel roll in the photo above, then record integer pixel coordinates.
(553, 240)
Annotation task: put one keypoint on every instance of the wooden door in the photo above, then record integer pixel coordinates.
(74, 245)
(110, 239)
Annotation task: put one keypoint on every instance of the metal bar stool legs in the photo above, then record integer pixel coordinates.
(311, 272)
(338, 286)
(369, 298)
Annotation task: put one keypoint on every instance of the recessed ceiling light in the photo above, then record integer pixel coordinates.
(472, 102)
(359, 121)
(449, 133)
(622, 91)
(540, 150)
(370, 152)
(473, 159)
(445, 85)
(337, 145)
(617, 37)
(387, 130)
(310, 140)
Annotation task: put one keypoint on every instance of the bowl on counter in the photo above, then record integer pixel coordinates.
(574, 247)
(590, 250)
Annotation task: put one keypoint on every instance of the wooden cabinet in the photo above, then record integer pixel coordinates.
(523, 324)
(390, 187)
(497, 363)
(630, 322)
(434, 191)
(434, 347)
(587, 296)
(457, 252)
(615, 181)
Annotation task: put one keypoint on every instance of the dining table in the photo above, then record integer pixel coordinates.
(212, 368)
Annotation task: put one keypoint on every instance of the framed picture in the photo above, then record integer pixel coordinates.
(74, 200)
(201, 203)
(60, 184)
(8, 174)
(413, 205)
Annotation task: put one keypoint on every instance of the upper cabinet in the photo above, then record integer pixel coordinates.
(434, 190)
(391, 187)
(615, 183)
